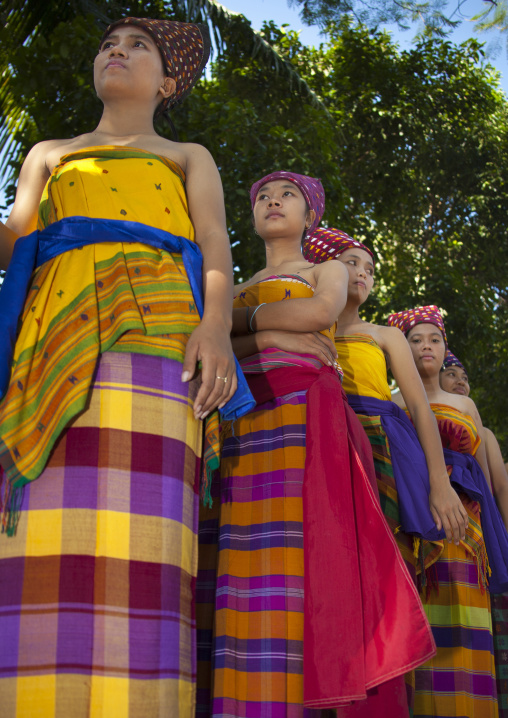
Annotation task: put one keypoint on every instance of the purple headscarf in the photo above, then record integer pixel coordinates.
(310, 187)
(451, 360)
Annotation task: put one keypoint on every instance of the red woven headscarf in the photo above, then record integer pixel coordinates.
(184, 47)
(325, 244)
(408, 319)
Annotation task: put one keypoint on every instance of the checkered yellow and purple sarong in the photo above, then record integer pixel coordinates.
(97, 585)
(96, 599)
(258, 651)
(500, 625)
(460, 680)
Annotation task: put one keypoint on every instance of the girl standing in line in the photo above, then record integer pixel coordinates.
(414, 505)
(460, 680)
(454, 379)
(314, 609)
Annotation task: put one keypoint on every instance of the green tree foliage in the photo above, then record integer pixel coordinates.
(412, 148)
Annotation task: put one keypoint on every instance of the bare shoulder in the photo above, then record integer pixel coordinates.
(469, 406)
(329, 271)
(390, 339)
(186, 154)
(192, 149)
(38, 157)
(392, 334)
(32, 178)
(198, 158)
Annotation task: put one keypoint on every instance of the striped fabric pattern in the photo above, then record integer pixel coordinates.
(460, 680)
(500, 626)
(258, 637)
(96, 588)
(258, 645)
(387, 488)
(458, 431)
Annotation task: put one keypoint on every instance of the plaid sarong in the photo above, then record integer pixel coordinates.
(461, 679)
(97, 586)
(500, 626)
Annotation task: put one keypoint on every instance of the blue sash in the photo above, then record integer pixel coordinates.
(75, 232)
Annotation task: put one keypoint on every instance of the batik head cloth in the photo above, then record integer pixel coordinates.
(325, 244)
(451, 360)
(184, 47)
(310, 187)
(408, 319)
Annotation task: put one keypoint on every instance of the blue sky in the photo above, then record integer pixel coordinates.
(278, 10)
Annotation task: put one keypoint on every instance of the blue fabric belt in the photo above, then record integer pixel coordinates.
(413, 487)
(468, 476)
(409, 465)
(75, 232)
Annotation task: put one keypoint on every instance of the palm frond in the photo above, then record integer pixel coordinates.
(234, 29)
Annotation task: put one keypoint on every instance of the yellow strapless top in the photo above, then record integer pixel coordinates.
(275, 289)
(364, 366)
(113, 182)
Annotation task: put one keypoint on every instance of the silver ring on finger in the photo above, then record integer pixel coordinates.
(222, 378)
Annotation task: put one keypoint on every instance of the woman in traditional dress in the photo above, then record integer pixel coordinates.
(414, 505)
(363, 352)
(315, 609)
(460, 680)
(101, 438)
(454, 379)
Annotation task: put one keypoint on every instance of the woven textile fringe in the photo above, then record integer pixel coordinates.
(10, 505)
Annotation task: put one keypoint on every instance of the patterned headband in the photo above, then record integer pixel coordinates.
(184, 48)
(408, 319)
(451, 360)
(325, 244)
(310, 187)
